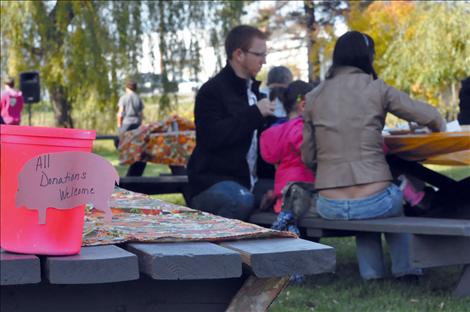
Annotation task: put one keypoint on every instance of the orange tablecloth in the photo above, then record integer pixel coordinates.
(168, 142)
(442, 148)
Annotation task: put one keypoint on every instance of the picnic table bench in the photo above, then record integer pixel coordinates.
(435, 241)
(439, 241)
(244, 275)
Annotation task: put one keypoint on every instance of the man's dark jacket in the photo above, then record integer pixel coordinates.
(224, 129)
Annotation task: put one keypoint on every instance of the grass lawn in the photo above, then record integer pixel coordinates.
(344, 290)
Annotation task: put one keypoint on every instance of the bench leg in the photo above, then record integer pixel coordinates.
(257, 294)
(463, 288)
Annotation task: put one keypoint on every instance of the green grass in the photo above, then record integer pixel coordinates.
(456, 173)
(344, 290)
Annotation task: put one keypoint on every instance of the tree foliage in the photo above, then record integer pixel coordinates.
(85, 49)
(421, 48)
(306, 23)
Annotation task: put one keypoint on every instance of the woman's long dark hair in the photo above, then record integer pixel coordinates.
(354, 49)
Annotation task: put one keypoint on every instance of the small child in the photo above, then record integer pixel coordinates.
(280, 144)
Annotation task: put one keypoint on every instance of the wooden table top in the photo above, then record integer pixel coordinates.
(170, 261)
(443, 148)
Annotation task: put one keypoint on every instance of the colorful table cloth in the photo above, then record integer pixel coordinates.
(443, 148)
(140, 218)
(168, 142)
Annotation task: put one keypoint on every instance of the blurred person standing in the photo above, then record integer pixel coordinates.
(12, 103)
(129, 117)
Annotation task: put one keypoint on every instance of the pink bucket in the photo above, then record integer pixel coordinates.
(19, 228)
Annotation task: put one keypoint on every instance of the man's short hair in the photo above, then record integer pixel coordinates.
(241, 37)
(131, 84)
(10, 81)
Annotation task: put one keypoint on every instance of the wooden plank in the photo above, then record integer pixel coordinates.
(100, 264)
(416, 225)
(263, 218)
(16, 269)
(266, 219)
(155, 185)
(257, 294)
(318, 233)
(463, 288)
(144, 294)
(182, 261)
(432, 251)
(284, 256)
(106, 137)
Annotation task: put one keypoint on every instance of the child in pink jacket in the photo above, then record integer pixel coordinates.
(280, 144)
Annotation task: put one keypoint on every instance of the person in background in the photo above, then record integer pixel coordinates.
(129, 117)
(229, 112)
(12, 103)
(343, 120)
(280, 144)
(279, 78)
(464, 104)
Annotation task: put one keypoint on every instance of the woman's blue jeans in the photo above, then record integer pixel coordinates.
(228, 199)
(387, 203)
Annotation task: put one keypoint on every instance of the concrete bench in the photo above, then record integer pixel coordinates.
(435, 241)
(189, 276)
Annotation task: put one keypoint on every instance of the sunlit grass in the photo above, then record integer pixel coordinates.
(455, 172)
(346, 291)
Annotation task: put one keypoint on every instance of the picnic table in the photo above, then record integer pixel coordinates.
(168, 142)
(439, 240)
(409, 152)
(160, 256)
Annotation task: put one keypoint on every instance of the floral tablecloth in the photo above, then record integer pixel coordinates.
(168, 142)
(140, 218)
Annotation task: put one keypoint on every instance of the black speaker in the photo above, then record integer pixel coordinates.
(30, 87)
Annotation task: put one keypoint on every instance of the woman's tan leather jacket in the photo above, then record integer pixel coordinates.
(343, 121)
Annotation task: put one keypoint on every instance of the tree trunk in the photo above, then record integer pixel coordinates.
(62, 108)
(311, 29)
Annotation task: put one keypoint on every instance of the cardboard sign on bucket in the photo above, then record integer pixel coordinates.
(65, 180)
(20, 226)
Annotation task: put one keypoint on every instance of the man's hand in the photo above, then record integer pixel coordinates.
(266, 107)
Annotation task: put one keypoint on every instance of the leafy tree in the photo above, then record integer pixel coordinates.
(84, 49)
(80, 48)
(422, 48)
(310, 23)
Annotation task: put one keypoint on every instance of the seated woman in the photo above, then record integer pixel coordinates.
(343, 120)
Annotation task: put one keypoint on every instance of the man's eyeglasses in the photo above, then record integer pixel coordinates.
(258, 54)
